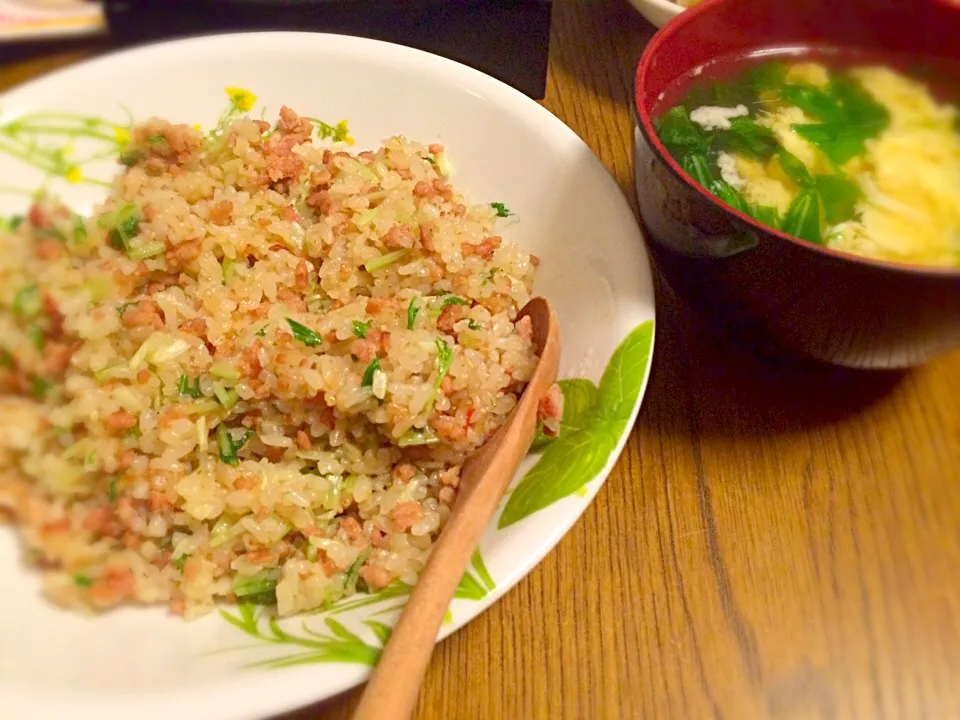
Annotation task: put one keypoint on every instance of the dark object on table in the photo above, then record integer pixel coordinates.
(508, 39)
(765, 286)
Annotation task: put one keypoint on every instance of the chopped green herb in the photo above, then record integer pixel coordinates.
(37, 337)
(156, 139)
(134, 432)
(383, 261)
(15, 222)
(222, 531)
(502, 210)
(225, 371)
(27, 302)
(180, 561)
(79, 230)
(186, 388)
(309, 470)
(146, 250)
(131, 157)
(123, 225)
(452, 300)
(412, 311)
(227, 446)
(444, 359)
(350, 577)
(262, 331)
(6, 359)
(473, 324)
(124, 307)
(81, 580)
(418, 436)
(304, 334)
(52, 233)
(227, 398)
(40, 387)
(245, 587)
(430, 160)
(112, 489)
(369, 372)
(360, 328)
(228, 266)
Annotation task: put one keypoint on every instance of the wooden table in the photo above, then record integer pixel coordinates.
(775, 541)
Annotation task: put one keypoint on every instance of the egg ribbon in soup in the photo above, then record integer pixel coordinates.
(863, 160)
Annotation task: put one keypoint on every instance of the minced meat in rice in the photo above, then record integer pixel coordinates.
(255, 372)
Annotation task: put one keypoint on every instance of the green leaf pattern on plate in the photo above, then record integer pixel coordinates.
(44, 141)
(591, 433)
(336, 643)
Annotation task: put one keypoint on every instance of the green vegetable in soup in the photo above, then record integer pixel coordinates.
(679, 134)
(747, 136)
(794, 168)
(839, 196)
(723, 190)
(817, 103)
(697, 167)
(855, 118)
(803, 218)
(767, 77)
(766, 215)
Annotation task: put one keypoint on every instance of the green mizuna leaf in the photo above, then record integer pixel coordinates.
(578, 456)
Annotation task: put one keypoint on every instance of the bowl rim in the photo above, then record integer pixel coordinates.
(644, 120)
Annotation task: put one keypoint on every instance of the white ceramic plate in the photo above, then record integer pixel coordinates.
(147, 664)
(658, 12)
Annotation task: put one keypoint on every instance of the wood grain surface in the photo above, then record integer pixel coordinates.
(777, 541)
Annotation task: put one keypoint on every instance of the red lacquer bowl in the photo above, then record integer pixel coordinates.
(759, 283)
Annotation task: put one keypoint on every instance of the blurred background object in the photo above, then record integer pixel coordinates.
(32, 20)
(508, 39)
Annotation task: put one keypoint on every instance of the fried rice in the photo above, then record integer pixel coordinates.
(255, 372)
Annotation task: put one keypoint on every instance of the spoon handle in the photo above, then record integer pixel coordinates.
(392, 691)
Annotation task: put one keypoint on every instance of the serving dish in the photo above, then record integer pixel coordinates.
(504, 147)
(772, 290)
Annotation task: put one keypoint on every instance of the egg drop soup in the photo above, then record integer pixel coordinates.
(858, 157)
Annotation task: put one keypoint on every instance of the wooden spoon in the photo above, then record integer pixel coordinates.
(392, 691)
